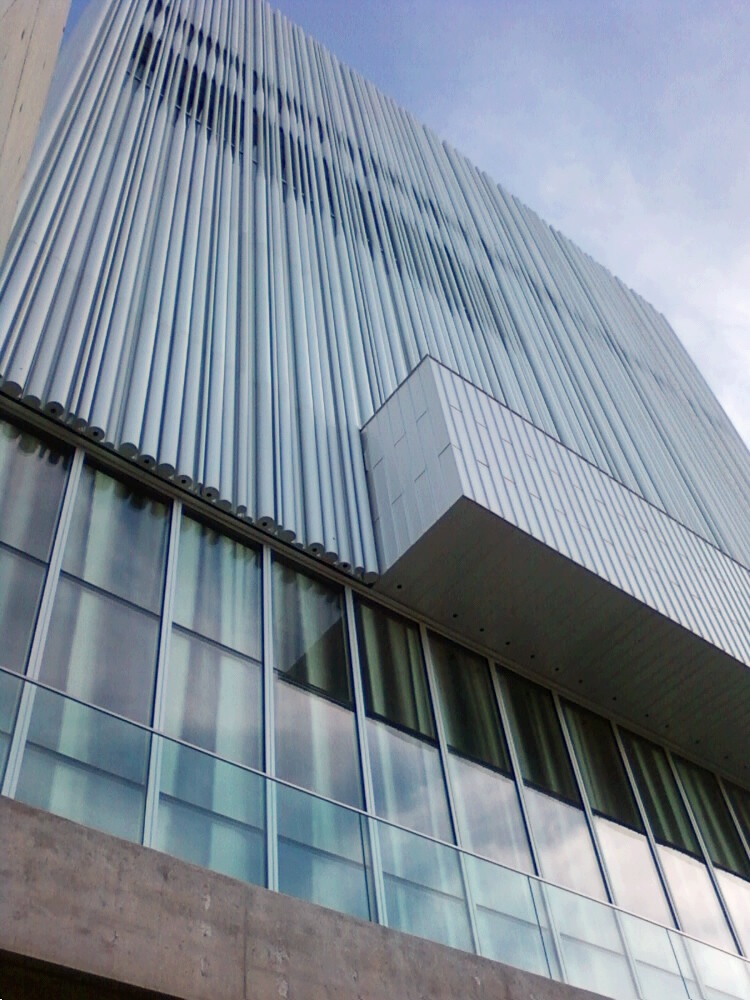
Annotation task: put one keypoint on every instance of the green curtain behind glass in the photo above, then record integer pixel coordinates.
(309, 641)
(601, 767)
(713, 818)
(467, 704)
(542, 754)
(661, 796)
(394, 671)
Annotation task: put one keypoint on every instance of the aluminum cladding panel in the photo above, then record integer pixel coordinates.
(233, 249)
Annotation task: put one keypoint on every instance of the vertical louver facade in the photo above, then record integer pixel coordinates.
(234, 249)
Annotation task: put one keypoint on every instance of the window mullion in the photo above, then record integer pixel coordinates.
(364, 757)
(269, 731)
(704, 851)
(646, 824)
(154, 769)
(34, 663)
(443, 746)
(592, 830)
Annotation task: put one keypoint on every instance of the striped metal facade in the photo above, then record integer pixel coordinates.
(233, 249)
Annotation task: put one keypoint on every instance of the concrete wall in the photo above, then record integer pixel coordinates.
(81, 899)
(30, 34)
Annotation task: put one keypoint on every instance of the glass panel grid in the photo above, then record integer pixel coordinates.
(90, 766)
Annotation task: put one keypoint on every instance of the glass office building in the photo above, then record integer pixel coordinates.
(360, 537)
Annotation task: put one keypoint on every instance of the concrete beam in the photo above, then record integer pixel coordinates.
(78, 898)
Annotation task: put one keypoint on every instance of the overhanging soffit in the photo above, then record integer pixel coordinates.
(493, 528)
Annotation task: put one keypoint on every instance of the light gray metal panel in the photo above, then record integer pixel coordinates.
(233, 249)
(537, 553)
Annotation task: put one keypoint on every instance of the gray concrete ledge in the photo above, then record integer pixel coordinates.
(86, 901)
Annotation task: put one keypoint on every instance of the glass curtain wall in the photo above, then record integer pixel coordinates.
(33, 473)
(488, 812)
(632, 871)
(558, 822)
(698, 907)
(723, 843)
(209, 812)
(322, 853)
(424, 890)
(101, 647)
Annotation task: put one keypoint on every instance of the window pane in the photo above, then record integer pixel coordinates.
(84, 765)
(10, 693)
(565, 849)
(740, 799)
(33, 475)
(408, 781)
(467, 704)
(592, 945)
(632, 871)
(601, 767)
(696, 902)
(661, 796)
(218, 588)
(394, 673)
(102, 651)
(713, 818)
(316, 744)
(211, 813)
(309, 639)
(542, 755)
(118, 539)
(21, 582)
(424, 890)
(511, 927)
(489, 814)
(324, 853)
(214, 699)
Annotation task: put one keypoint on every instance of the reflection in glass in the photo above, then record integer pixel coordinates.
(632, 871)
(218, 588)
(10, 692)
(211, 813)
(556, 817)
(408, 781)
(489, 814)
(316, 741)
(393, 668)
(591, 943)
(102, 651)
(654, 953)
(424, 891)
(736, 893)
(117, 539)
(724, 977)
(309, 641)
(564, 843)
(488, 811)
(324, 853)
(84, 765)
(698, 907)
(33, 475)
(214, 699)
(316, 744)
(21, 581)
(511, 928)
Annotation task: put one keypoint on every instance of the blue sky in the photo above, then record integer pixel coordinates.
(624, 123)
